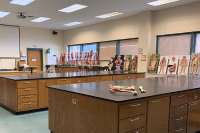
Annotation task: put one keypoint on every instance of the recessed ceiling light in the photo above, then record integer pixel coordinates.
(73, 23)
(109, 15)
(73, 8)
(161, 2)
(3, 14)
(40, 19)
(21, 2)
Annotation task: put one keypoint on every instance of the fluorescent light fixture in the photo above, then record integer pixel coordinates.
(21, 2)
(40, 19)
(73, 23)
(3, 14)
(73, 8)
(109, 15)
(161, 2)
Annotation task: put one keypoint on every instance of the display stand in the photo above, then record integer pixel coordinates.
(30, 68)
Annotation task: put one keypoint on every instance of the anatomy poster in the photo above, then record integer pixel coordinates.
(153, 65)
(162, 66)
(183, 64)
(172, 67)
(194, 67)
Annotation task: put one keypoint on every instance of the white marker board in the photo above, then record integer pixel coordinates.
(7, 63)
(51, 59)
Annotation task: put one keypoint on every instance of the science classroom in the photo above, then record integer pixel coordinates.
(108, 66)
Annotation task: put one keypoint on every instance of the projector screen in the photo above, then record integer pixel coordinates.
(9, 42)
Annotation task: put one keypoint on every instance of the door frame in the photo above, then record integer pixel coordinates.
(40, 49)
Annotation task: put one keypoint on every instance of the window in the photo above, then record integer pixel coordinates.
(74, 49)
(174, 45)
(107, 50)
(88, 48)
(129, 47)
(197, 48)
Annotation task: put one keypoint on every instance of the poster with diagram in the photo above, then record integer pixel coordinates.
(162, 66)
(183, 64)
(172, 66)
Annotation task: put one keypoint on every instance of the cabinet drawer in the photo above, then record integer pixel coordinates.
(28, 98)
(106, 78)
(177, 122)
(195, 96)
(27, 91)
(118, 77)
(26, 84)
(27, 106)
(78, 80)
(179, 99)
(63, 81)
(134, 109)
(131, 124)
(93, 79)
(130, 76)
(138, 131)
(140, 76)
(178, 111)
(179, 130)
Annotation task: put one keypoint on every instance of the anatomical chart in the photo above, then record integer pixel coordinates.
(153, 65)
(172, 67)
(162, 66)
(183, 64)
(194, 67)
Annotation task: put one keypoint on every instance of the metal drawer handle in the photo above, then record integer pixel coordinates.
(180, 107)
(64, 79)
(103, 77)
(193, 104)
(27, 96)
(27, 103)
(118, 76)
(179, 119)
(155, 101)
(128, 77)
(179, 130)
(181, 96)
(135, 119)
(27, 89)
(42, 81)
(94, 77)
(79, 80)
(27, 82)
(135, 105)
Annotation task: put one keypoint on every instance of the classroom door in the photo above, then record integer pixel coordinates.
(34, 58)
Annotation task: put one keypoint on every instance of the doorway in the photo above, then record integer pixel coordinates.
(35, 58)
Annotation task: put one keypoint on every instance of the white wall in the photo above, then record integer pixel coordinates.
(43, 38)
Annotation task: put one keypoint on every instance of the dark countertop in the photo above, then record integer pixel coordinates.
(64, 75)
(154, 87)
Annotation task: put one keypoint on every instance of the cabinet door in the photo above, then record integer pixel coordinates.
(158, 115)
(193, 117)
(43, 92)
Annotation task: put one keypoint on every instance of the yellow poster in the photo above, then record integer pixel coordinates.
(143, 58)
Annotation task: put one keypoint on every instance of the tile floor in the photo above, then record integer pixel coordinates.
(27, 123)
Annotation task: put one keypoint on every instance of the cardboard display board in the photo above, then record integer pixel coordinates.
(130, 61)
(154, 63)
(198, 69)
(173, 64)
(122, 64)
(162, 66)
(183, 65)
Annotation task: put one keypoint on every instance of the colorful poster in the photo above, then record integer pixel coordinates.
(140, 51)
(162, 68)
(143, 58)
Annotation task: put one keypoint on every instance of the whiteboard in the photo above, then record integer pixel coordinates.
(7, 63)
(9, 42)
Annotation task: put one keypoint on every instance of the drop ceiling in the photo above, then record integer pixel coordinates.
(49, 9)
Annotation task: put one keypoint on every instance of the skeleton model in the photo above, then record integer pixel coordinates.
(162, 64)
(85, 58)
(64, 59)
(81, 56)
(111, 64)
(172, 68)
(142, 90)
(60, 63)
(115, 89)
(194, 64)
(72, 55)
(98, 58)
(134, 63)
(76, 58)
(183, 64)
(118, 63)
(127, 63)
(93, 62)
(153, 62)
(68, 59)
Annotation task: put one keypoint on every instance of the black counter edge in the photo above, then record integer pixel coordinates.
(24, 112)
(123, 100)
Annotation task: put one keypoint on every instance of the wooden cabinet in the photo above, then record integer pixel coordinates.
(158, 115)
(193, 117)
(178, 111)
(63, 81)
(27, 106)
(106, 78)
(26, 84)
(177, 122)
(140, 76)
(180, 130)
(118, 77)
(43, 92)
(27, 91)
(194, 96)
(1, 90)
(179, 99)
(78, 80)
(93, 79)
(130, 76)
(138, 131)
(28, 98)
